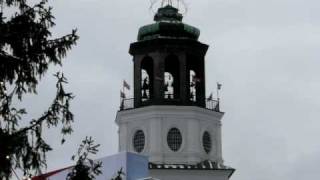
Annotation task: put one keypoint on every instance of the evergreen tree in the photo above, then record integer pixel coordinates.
(27, 49)
(85, 168)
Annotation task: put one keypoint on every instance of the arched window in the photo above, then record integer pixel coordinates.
(146, 79)
(172, 78)
(196, 78)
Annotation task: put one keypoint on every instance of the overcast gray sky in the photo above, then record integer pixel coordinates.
(264, 52)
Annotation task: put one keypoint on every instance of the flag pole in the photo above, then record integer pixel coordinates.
(121, 97)
(121, 100)
(218, 95)
(123, 87)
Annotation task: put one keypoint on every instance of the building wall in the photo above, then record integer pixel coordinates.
(156, 121)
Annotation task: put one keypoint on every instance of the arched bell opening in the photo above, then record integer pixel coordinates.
(195, 66)
(172, 78)
(146, 79)
(193, 85)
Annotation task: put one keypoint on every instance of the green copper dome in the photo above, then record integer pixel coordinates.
(168, 25)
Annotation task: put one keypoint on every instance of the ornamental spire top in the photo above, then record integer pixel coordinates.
(173, 3)
(167, 2)
(179, 4)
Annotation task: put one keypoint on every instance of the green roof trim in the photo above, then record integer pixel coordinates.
(148, 30)
(192, 30)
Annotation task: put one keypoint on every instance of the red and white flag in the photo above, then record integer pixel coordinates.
(126, 85)
(219, 86)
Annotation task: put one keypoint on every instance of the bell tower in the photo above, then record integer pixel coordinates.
(169, 119)
(168, 62)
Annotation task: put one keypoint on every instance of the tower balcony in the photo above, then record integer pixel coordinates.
(128, 103)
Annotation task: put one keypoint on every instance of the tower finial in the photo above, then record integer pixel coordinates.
(169, 2)
(175, 3)
(178, 4)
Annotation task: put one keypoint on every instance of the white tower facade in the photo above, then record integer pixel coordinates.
(195, 124)
(169, 119)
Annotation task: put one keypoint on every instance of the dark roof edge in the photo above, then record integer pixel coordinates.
(232, 171)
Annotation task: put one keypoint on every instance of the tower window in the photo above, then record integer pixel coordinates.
(139, 141)
(206, 142)
(174, 139)
(146, 79)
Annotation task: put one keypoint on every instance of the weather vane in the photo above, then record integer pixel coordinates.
(180, 4)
